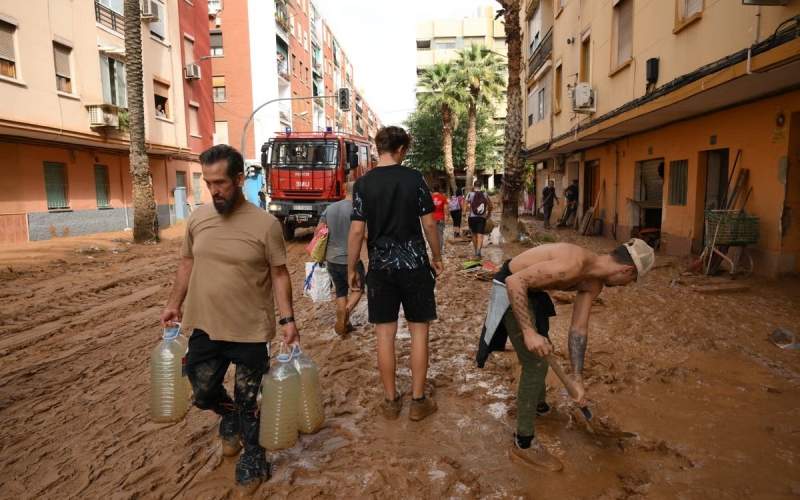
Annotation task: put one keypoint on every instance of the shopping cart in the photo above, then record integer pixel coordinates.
(727, 234)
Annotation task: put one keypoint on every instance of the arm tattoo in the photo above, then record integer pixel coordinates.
(519, 306)
(577, 350)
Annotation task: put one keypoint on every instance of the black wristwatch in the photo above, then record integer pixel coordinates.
(286, 320)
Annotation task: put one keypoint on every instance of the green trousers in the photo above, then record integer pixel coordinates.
(531, 389)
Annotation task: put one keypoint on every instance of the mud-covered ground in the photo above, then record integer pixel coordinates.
(716, 407)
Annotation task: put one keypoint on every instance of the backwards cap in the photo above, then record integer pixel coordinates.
(643, 256)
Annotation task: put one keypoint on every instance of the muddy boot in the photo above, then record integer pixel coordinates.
(536, 456)
(391, 408)
(229, 434)
(421, 408)
(251, 470)
(341, 322)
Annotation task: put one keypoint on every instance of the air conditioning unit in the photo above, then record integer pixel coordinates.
(191, 71)
(149, 12)
(583, 98)
(103, 115)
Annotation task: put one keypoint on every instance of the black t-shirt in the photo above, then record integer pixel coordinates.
(571, 193)
(391, 200)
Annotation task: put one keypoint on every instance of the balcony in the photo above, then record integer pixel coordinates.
(541, 54)
(282, 15)
(283, 67)
(109, 18)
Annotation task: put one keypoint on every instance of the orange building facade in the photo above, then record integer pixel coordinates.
(658, 119)
(62, 123)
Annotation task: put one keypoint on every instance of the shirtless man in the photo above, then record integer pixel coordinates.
(520, 305)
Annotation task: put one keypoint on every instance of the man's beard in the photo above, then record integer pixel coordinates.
(225, 205)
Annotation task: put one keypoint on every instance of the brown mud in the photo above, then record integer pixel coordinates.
(714, 405)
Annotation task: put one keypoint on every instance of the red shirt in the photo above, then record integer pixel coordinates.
(439, 203)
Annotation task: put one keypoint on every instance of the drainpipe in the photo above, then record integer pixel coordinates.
(616, 191)
(757, 35)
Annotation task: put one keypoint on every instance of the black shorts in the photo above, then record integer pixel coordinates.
(477, 225)
(456, 215)
(388, 289)
(338, 274)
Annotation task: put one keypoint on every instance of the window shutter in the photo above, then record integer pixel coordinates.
(105, 79)
(624, 30)
(197, 188)
(692, 7)
(101, 185)
(7, 41)
(194, 121)
(157, 27)
(120, 80)
(218, 81)
(216, 39)
(61, 55)
(678, 181)
(180, 179)
(55, 182)
(188, 51)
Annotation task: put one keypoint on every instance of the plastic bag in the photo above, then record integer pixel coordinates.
(318, 245)
(317, 286)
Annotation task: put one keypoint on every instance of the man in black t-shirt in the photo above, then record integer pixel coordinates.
(548, 200)
(388, 203)
(571, 195)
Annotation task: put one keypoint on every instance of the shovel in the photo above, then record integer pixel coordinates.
(572, 389)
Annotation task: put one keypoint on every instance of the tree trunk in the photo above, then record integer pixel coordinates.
(514, 166)
(447, 146)
(472, 141)
(145, 222)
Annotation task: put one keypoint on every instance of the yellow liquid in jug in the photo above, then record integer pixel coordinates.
(169, 390)
(311, 413)
(279, 403)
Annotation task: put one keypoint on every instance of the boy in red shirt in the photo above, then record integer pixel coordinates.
(439, 205)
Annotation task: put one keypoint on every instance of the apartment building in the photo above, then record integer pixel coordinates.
(309, 62)
(658, 108)
(439, 41)
(63, 118)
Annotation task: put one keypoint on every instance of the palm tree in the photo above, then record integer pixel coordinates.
(444, 93)
(481, 71)
(145, 222)
(514, 170)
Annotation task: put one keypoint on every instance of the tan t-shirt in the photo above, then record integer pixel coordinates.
(230, 290)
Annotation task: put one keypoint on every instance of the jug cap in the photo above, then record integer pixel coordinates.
(284, 357)
(172, 332)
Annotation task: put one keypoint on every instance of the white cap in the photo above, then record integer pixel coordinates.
(643, 256)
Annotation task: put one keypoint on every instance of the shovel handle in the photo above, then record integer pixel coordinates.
(568, 383)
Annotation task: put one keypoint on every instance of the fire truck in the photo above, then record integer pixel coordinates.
(307, 171)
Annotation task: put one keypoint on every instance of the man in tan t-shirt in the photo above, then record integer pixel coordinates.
(233, 257)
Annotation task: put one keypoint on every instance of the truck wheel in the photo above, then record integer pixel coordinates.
(288, 231)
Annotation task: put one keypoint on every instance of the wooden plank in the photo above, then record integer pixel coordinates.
(721, 288)
(13, 228)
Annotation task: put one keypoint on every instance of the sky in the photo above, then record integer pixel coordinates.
(379, 37)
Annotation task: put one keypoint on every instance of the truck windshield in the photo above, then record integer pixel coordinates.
(294, 154)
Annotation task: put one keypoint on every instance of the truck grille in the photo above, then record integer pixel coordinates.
(303, 194)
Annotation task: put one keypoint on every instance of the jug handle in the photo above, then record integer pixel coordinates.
(296, 351)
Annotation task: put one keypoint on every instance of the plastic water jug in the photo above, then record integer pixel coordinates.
(280, 393)
(169, 387)
(310, 410)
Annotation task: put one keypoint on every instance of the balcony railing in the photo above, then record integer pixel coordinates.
(109, 18)
(282, 15)
(283, 66)
(541, 54)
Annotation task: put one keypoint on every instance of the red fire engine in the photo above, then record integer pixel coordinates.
(307, 171)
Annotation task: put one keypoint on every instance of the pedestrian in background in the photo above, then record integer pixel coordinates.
(456, 205)
(439, 204)
(480, 208)
(388, 203)
(548, 200)
(337, 217)
(571, 195)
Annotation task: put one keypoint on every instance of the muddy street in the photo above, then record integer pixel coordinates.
(714, 405)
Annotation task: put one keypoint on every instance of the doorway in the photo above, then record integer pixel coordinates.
(716, 179)
(591, 186)
(648, 193)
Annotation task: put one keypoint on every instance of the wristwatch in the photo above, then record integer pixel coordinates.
(286, 320)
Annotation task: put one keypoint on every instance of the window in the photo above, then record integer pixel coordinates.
(8, 60)
(540, 103)
(678, 181)
(197, 188)
(214, 5)
(216, 43)
(692, 7)
(115, 5)
(218, 88)
(63, 75)
(161, 99)
(531, 105)
(423, 44)
(444, 44)
(188, 50)
(557, 90)
(687, 11)
(112, 76)
(101, 186)
(194, 119)
(220, 133)
(55, 183)
(180, 179)
(622, 33)
(586, 59)
(158, 28)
